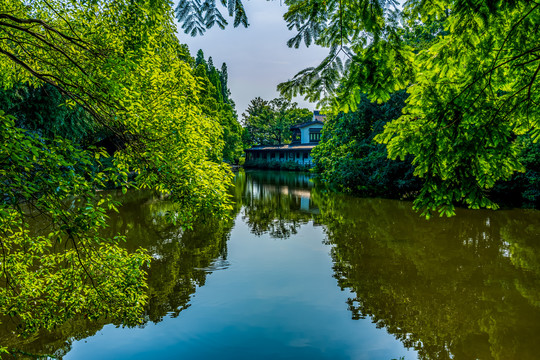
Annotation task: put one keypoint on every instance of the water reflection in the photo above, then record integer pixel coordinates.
(182, 259)
(277, 203)
(467, 287)
(459, 288)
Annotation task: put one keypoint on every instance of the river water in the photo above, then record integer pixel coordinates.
(302, 273)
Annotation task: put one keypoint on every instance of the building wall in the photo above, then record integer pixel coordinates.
(296, 156)
(304, 132)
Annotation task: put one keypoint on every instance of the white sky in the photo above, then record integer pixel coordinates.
(257, 57)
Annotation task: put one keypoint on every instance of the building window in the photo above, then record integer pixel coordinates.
(313, 137)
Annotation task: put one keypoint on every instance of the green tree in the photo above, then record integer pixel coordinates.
(253, 122)
(465, 83)
(224, 78)
(269, 122)
(200, 59)
(122, 64)
(348, 159)
(217, 104)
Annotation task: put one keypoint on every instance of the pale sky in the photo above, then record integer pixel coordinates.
(257, 57)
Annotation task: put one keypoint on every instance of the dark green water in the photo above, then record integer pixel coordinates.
(299, 273)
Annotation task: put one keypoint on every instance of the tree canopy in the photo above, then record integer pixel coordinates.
(349, 160)
(471, 69)
(118, 69)
(216, 103)
(268, 122)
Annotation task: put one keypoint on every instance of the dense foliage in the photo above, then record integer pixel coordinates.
(216, 103)
(269, 122)
(523, 189)
(349, 160)
(64, 266)
(42, 110)
(471, 69)
(76, 74)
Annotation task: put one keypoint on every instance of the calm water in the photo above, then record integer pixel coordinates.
(299, 273)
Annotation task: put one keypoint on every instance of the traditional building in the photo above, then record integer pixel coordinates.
(304, 138)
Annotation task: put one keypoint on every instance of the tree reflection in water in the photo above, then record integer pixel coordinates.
(467, 287)
(182, 259)
(277, 203)
(460, 288)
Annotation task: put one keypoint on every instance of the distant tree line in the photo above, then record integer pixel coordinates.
(217, 103)
(268, 122)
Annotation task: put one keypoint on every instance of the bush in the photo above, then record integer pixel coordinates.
(256, 164)
(290, 165)
(276, 165)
